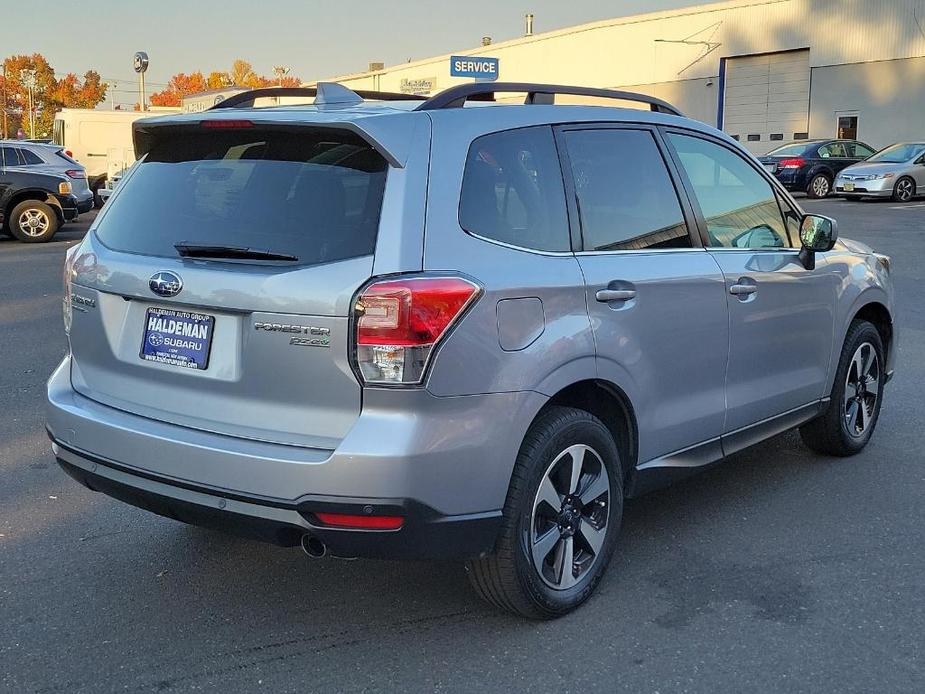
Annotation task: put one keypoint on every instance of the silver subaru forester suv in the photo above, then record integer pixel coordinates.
(453, 328)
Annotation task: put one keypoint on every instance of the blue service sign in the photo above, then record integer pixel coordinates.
(473, 66)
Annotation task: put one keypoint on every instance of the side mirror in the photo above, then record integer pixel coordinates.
(818, 234)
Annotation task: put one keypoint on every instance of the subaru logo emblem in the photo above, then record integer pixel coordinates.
(165, 284)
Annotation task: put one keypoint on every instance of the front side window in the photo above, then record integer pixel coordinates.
(858, 150)
(8, 156)
(625, 195)
(512, 190)
(740, 207)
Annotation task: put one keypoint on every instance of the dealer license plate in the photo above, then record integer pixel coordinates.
(178, 338)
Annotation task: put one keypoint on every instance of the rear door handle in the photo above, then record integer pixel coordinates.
(605, 295)
(742, 289)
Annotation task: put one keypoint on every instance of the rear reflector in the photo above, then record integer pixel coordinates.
(400, 321)
(227, 124)
(344, 520)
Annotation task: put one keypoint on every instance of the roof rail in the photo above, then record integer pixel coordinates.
(455, 97)
(330, 93)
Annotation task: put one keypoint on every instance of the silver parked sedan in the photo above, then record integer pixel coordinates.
(897, 172)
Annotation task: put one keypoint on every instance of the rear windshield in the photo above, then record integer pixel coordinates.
(791, 150)
(312, 194)
(68, 159)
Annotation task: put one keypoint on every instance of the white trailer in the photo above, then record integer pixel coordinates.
(100, 140)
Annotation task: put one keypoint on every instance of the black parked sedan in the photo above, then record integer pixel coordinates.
(810, 166)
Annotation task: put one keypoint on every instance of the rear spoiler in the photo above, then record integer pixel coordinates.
(390, 136)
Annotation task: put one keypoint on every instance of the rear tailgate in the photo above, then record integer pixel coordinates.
(246, 347)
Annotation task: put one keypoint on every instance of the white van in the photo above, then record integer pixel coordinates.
(101, 140)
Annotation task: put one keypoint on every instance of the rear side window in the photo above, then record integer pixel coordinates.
(29, 157)
(313, 194)
(512, 190)
(625, 195)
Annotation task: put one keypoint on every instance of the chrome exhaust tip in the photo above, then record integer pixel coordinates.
(313, 547)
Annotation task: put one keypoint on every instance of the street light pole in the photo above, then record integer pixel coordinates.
(28, 79)
(281, 71)
(5, 89)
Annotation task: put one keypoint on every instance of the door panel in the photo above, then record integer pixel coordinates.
(671, 338)
(781, 333)
(657, 301)
(781, 315)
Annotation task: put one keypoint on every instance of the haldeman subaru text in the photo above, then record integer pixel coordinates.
(444, 328)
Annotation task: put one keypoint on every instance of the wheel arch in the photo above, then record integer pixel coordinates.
(879, 315)
(609, 403)
(33, 194)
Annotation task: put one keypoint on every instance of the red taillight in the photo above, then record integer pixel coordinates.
(400, 321)
(345, 520)
(69, 153)
(227, 124)
(792, 163)
(75, 173)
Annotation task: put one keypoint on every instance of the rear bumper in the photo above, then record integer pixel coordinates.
(425, 534)
(442, 463)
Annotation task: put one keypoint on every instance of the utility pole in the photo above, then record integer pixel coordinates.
(110, 86)
(280, 71)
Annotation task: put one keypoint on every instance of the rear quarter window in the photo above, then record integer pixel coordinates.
(314, 194)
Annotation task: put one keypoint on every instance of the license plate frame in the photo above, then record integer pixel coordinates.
(182, 339)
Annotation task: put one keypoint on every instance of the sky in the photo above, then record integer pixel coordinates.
(315, 38)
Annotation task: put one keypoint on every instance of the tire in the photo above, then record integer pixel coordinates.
(97, 200)
(836, 431)
(819, 186)
(904, 190)
(509, 578)
(33, 221)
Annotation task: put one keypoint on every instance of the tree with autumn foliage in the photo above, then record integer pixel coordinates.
(50, 94)
(241, 75)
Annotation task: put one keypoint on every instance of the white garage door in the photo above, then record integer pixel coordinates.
(766, 99)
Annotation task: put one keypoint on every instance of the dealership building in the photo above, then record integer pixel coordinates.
(765, 71)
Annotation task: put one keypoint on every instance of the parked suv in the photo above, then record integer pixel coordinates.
(450, 329)
(41, 188)
(810, 166)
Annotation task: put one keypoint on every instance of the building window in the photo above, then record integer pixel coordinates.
(800, 136)
(754, 138)
(777, 136)
(847, 128)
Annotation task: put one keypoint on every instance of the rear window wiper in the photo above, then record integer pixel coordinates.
(193, 250)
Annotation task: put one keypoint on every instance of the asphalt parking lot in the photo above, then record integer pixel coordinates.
(781, 571)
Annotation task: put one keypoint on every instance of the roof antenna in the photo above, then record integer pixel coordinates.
(334, 95)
